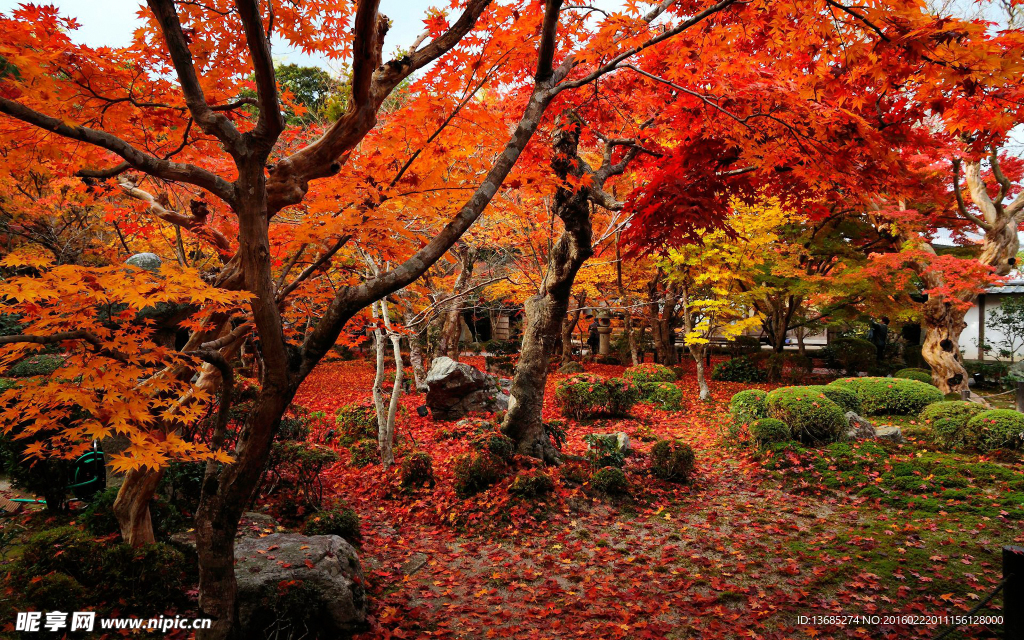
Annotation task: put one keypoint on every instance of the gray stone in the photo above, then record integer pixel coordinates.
(254, 525)
(892, 434)
(860, 428)
(262, 564)
(455, 389)
(147, 261)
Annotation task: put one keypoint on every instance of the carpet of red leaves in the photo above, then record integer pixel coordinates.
(730, 555)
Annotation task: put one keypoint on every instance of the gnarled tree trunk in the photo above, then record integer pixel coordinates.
(451, 329)
(546, 311)
(569, 325)
(662, 319)
(132, 505)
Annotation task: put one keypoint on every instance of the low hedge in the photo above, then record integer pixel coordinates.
(891, 396)
(921, 375)
(582, 395)
(748, 405)
(811, 416)
(998, 429)
(649, 372)
(739, 369)
(846, 399)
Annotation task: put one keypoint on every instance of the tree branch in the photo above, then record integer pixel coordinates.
(271, 120)
(163, 169)
(213, 123)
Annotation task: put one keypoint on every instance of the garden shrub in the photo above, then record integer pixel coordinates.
(364, 453)
(649, 372)
(663, 395)
(744, 345)
(672, 460)
(301, 463)
(603, 450)
(921, 375)
(623, 393)
(769, 431)
(182, 484)
(54, 592)
(476, 472)
(339, 521)
(135, 580)
(998, 429)
(776, 366)
(576, 472)
(892, 396)
(7, 383)
(810, 415)
(99, 519)
(531, 484)
(417, 469)
(356, 422)
(497, 444)
(293, 428)
(748, 405)
(948, 422)
(849, 356)
(610, 480)
(846, 399)
(41, 364)
(739, 369)
(581, 395)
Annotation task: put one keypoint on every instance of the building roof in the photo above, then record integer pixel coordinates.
(1007, 286)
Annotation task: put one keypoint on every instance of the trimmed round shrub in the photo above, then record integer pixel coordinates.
(477, 471)
(739, 369)
(649, 372)
(948, 421)
(581, 395)
(849, 355)
(531, 484)
(340, 521)
(497, 444)
(921, 375)
(892, 396)
(769, 431)
(846, 399)
(672, 460)
(365, 452)
(623, 393)
(663, 395)
(356, 422)
(54, 592)
(748, 405)
(417, 469)
(811, 416)
(610, 480)
(998, 429)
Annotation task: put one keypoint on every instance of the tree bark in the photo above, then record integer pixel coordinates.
(419, 375)
(546, 311)
(451, 330)
(698, 356)
(569, 325)
(662, 319)
(132, 505)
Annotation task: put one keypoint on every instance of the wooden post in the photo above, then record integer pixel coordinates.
(1013, 591)
(1020, 396)
(965, 394)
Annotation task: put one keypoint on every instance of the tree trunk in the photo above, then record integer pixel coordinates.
(568, 326)
(698, 356)
(419, 375)
(662, 314)
(546, 311)
(451, 330)
(132, 505)
(943, 323)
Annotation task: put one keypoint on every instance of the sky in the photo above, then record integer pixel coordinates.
(112, 22)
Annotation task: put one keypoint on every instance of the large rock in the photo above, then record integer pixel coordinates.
(325, 567)
(892, 434)
(456, 389)
(860, 429)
